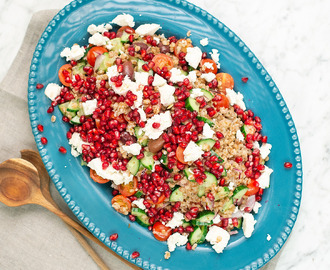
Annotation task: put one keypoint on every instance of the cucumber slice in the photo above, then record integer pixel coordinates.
(227, 205)
(107, 62)
(141, 138)
(138, 194)
(198, 235)
(209, 96)
(83, 162)
(75, 120)
(184, 73)
(147, 161)
(176, 195)
(188, 172)
(140, 63)
(247, 129)
(117, 45)
(239, 225)
(79, 68)
(209, 181)
(224, 192)
(133, 165)
(73, 106)
(185, 224)
(239, 192)
(62, 107)
(124, 38)
(224, 173)
(220, 160)
(205, 120)
(206, 144)
(163, 163)
(205, 217)
(192, 104)
(141, 217)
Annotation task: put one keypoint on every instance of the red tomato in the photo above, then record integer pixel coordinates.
(65, 71)
(121, 204)
(97, 178)
(120, 118)
(220, 101)
(181, 46)
(128, 189)
(253, 188)
(127, 29)
(93, 53)
(225, 81)
(161, 232)
(208, 65)
(179, 154)
(162, 60)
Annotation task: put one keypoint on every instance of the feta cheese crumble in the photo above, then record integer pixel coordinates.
(192, 76)
(248, 224)
(147, 29)
(176, 240)
(176, 75)
(196, 92)
(204, 41)
(208, 132)
(166, 94)
(215, 57)
(218, 238)
(143, 116)
(208, 76)
(216, 219)
(192, 152)
(264, 178)
(165, 121)
(235, 98)
(176, 221)
(158, 80)
(133, 149)
(92, 29)
(265, 150)
(256, 207)
(76, 144)
(268, 237)
(193, 56)
(139, 203)
(52, 90)
(89, 106)
(141, 78)
(74, 53)
(124, 19)
(98, 39)
(239, 136)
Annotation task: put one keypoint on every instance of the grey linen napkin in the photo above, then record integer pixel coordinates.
(16, 135)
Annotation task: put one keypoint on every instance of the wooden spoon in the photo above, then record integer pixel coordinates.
(19, 186)
(44, 181)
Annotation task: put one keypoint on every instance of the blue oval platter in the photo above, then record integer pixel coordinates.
(91, 202)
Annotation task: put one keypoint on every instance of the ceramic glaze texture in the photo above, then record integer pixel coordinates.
(176, 18)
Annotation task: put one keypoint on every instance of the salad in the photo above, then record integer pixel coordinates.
(155, 118)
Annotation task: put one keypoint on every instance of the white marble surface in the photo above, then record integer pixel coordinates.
(291, 39)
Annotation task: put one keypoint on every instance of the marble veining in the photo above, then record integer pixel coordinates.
(290, 39)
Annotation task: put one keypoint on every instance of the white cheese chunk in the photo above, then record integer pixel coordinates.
(268, 237)
(166, 94)
(158, 80)
(176, 221)
(235, 98)
(176, 75)
(208, 76)
(256, 207)
(248, 224)
(204, 41)
(165, 121)
(147, 29)
(264, 178)
(215, 57)
(89, 106)
(143, 116)
(265, 150)
(98, 39)
(239, 136)
(52, 90)
(218, 238)
(92, 29)
(118, 177)
(76, 144)
(74, 53)
(196, 92)
(139, 203)
(208, 132)
(125, 87)
(193, 56)
(192, 152)
(124, 19)
(112, 72)
(133, 149)
(176, 240)
(216, 219)
(141, 78)
(192, 76)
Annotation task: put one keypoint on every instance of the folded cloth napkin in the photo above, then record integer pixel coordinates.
(15, 127)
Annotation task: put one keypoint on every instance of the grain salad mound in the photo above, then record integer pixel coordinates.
(153, 117)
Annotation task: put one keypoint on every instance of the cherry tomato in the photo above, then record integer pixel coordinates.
(208, 65)
(160, 199)
(253, 188)
(93, 53)
(181, 46)
(161, 232)
(219, 101)
(162, 60)
(179, 154)
(225, 81)
(120, 118)
(97, 178)
(65, 71)
(128, 189)
(121, 204)
(127, 29)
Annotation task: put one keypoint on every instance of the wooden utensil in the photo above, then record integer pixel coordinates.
(18, 186)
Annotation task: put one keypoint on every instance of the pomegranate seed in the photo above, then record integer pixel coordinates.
(115, 192)
(189, 229)
(245, 79)
(131, 218)
(113, 237)
(217, 144)
(62, 150)
(135, 255)
(43, 140)
(210, 196)
(288, 165)
(50, 109)
(238, 159)
(131, 38)
(156, 125)
(39, 86)
(219, 135)
(222, 182)
(264, 139)
(40, 128)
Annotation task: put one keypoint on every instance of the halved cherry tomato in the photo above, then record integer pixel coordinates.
(225, 81)
(126, 29)
(208, 65)
(160, 199)
(161, 232)
(179, 154)
(128, 189)
(120, 118)
(65, 71)
(97, 178)
(162, 60)
(121, 204)
(220, 101)
(253, 188)
(93, 53)
(181, 46)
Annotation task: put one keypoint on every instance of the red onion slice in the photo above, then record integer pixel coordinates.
(248, 206)
(98, 61)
